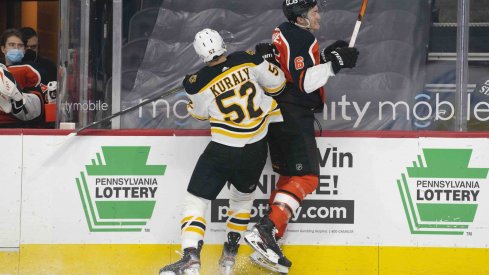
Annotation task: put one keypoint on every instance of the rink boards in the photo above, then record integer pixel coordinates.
(105, 204)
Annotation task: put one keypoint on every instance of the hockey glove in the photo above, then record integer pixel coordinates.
(342, 58)
(8, 87)
(267, 51)
(8, 91)
(332, 47)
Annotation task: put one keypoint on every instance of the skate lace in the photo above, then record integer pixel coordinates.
(274, 233)
(179, 253)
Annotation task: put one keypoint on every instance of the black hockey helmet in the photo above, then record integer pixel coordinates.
(297, 8)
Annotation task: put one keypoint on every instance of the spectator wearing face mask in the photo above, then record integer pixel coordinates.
(12, 46)
(32, 102)
(46, 67)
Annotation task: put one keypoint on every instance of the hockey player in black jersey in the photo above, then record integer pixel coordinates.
(292, 144)
(230, 92)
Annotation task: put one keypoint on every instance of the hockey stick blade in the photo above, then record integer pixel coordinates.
(358, 24)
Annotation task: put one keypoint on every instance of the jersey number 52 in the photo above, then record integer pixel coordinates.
(248, 89)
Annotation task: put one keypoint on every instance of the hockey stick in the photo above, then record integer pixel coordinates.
(163, 95)
(357, 25)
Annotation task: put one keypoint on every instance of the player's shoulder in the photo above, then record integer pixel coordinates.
(243, 57)
(26, 75)
(25, 68)
(296, 35)
(194, 82)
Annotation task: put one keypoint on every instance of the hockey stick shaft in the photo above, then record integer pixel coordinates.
(163, 95)
(358, 24)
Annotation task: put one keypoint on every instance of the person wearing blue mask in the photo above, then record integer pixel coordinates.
(23, 96)
(12, 46)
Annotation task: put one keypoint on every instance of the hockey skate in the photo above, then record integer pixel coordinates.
(189, 264)
(228, 256)
(262, 239)
(258, 259)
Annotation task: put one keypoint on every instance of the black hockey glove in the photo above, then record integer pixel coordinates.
(267, 51)
(342, 58)
(330, 48)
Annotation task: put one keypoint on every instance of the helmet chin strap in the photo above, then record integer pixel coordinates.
(307, 27)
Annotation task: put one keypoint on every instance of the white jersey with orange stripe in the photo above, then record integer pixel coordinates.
(234, 96)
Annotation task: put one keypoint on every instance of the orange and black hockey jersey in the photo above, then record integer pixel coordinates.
(298, 51)
(232, 96)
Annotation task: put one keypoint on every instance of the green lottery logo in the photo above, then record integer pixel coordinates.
(118, 189)
(440, 192)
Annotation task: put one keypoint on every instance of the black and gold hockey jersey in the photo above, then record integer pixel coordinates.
(232, 96)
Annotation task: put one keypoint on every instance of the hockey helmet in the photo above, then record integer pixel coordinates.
(209, 44)
(297, 8)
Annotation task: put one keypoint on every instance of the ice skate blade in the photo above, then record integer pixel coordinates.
(253, 239)
(188, 271)
(258, 259)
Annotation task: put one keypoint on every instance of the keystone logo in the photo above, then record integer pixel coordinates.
(118, 189)
(440, 192)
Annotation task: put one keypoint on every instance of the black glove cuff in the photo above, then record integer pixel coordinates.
(336, 61)
(324, 57)
(268, 56)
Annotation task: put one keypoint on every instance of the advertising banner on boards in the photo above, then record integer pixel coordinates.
(129, 189)
(10, 190)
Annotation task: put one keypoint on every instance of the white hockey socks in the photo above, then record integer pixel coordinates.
(193, 222)
(239, 211)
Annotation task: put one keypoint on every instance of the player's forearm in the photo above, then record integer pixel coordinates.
(317, 76)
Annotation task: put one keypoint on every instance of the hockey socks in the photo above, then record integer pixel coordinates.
(239, 214)
(282, 180)
(193, 223)
(288, 195)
